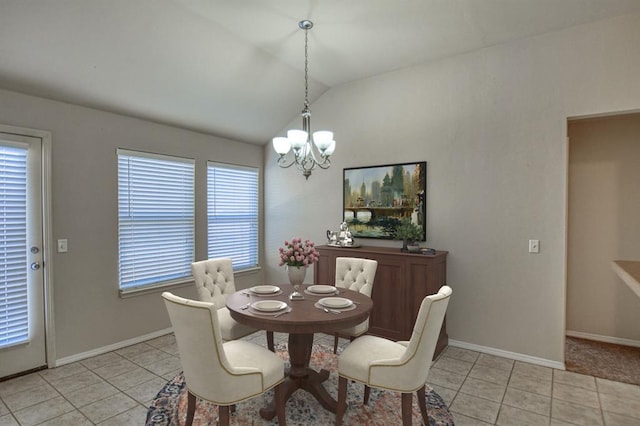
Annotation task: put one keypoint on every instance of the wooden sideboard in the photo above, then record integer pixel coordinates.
(402, 281)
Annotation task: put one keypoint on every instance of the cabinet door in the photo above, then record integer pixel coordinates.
(325, 269)
(387, 318)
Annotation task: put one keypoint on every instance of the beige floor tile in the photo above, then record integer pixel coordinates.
(8, 420)
(19, 400)
(149, 357)
(46, 410)
(462, 420)
(510, 416)
(461, 354)
(538, 371)
(483, 389)
(134, 350)
(574, 413)
(477, 408)
(576, 395)
(495, 362)
(490, 374)
(621, 390)
(613, 419)
(131, 379)
(530, 384)
(574, 379)
(528, 401)
(164, 365)
(101, 360)
(454, 365)
(92, 393)
(63, 371)
(146, 391)
(19, 384)
(618, 405)
(3, 409)
(107, 408)
(445, 379)
(446, 394)
(75, 418)
(116, 368)
(133, 417)
(75, 382)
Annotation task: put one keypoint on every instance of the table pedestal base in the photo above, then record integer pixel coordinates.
(301, 376)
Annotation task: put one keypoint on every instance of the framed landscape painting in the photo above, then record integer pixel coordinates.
(377, 198)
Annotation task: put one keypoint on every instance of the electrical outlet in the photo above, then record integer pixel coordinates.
(534, 246)
(62, 246)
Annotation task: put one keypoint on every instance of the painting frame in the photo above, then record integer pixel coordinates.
(376, 198)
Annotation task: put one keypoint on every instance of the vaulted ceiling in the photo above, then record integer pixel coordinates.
(234, 68)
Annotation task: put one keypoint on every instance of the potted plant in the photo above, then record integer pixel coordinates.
(409, 233)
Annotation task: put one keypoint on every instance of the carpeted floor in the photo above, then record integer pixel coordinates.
(169, 406)
(604, 360)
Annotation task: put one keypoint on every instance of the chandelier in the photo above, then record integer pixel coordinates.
(308, 151)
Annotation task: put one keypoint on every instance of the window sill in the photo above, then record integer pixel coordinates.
(154, 288)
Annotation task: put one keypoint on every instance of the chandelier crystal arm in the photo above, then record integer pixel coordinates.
(309, 151)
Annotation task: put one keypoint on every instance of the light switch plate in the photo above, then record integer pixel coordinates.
(62, 246)
(534, 246)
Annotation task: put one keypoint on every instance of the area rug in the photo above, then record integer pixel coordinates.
(604, 360)
(170, 405)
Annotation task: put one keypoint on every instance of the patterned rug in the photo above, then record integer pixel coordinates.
(170, 405)
(604, 360)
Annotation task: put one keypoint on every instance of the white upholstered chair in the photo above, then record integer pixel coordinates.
(214, 282)
(222, 373)
(397, 366)
(355, 274)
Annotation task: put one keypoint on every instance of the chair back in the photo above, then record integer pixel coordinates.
(207, 371)
(424, 337)
(409, 372)
(355, 273)
(214, 280)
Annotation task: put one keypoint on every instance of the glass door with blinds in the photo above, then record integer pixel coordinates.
(22, 313)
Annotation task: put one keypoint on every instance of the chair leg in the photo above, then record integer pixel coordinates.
(342, 399)
(335, 343)
(280, 403)
(191, 408)
(270, 341)
(407, 399)
(423, 405)
(367, 392)
(223, 415)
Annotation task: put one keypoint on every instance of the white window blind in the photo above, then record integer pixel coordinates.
(155, 218)
(232, 213)
(14, 308)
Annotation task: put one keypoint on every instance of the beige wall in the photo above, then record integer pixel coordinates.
(89, 314)
(604, 225)
(492, 126)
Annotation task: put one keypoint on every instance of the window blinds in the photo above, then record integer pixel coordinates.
(14, 308)
(155, 218)
(232, 213)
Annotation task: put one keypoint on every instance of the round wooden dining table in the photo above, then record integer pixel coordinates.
(302, 319)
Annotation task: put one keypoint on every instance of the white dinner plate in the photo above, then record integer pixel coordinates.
(268, 305)
(321, 289)
(335, 302)
(265, 289)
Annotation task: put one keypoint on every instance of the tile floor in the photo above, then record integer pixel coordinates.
(115, 389)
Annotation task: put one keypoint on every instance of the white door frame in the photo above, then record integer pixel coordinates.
(47, 234)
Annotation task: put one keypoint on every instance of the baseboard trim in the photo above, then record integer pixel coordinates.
(506, 354)
(605, 339)
(103, 350)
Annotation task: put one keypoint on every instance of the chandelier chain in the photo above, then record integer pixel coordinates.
(306, 68)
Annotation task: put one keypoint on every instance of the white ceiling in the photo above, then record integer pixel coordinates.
(234, 68)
